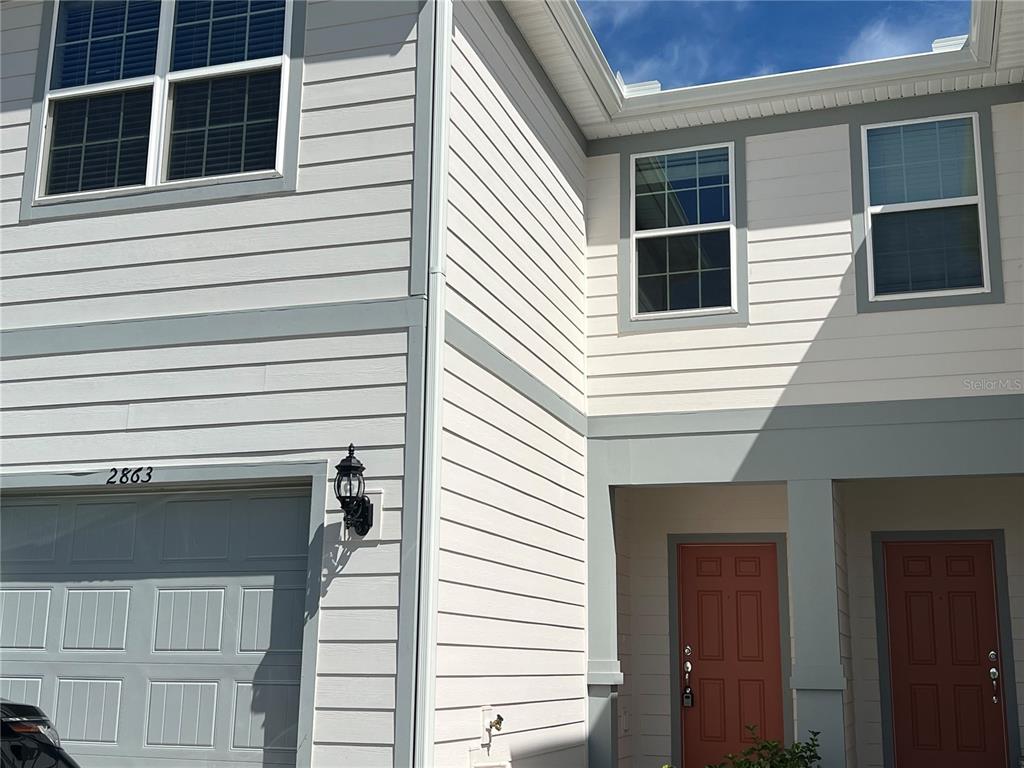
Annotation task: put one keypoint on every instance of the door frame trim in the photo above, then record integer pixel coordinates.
(782, 563)
(998, 540)
(313, 475)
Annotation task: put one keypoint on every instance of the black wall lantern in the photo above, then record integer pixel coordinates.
(348, 487)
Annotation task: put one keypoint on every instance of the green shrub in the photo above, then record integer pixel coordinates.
(771, 754)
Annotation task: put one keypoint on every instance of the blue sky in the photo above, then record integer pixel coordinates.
(687, 42)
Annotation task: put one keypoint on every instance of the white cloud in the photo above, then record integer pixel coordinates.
(677, 63)
(880, 40)
(612, 14)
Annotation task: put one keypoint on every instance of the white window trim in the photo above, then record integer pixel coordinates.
(978, 199)
(160, 124)
(690, 229)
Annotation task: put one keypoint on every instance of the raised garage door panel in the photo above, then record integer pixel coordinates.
(158, 625)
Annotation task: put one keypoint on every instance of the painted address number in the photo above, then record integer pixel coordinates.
(129, 475)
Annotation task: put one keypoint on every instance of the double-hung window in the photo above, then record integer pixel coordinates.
(924, 209)
(683, 235)
(150, 94)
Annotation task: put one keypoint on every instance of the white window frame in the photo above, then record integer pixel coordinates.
(161, 82)
(689, 229)
(978, 199)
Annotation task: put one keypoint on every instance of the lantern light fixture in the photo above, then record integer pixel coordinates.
(349, 488)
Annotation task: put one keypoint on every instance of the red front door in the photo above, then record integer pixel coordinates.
(943, 627)
(729, 632)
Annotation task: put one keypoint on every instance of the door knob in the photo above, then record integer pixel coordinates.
(994, 674)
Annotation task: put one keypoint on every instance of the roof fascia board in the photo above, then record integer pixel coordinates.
(869, 74)
(570, 20)
(981, 38)
(976, 55)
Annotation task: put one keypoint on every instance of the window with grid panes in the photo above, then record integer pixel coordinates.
(143, 94)
(924, 208)
(683, 238)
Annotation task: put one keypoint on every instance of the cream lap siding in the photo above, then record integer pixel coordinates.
(511, 569)
(343, 235)
(652, 514)
(922, 504)
(19, 33)
(805, 343)
(515, 213)
(256, 401)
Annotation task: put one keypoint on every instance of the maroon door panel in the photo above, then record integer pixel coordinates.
(729, 621)
(943, 624)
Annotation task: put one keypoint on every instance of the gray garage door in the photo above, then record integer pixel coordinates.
(158, 625)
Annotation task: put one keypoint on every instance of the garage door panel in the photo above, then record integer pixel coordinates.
(151, 639)
(30, 534)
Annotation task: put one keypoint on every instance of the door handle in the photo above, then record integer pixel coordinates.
(993, 674)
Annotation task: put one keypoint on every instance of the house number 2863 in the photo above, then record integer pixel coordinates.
(129, 475)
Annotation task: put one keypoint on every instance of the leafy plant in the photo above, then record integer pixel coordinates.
(764, 753)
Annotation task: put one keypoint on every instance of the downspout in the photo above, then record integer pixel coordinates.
(430, 490)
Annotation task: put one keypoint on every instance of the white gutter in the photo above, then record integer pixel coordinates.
(622, 100)
(430, 490)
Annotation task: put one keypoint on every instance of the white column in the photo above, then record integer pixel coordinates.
(817, 680)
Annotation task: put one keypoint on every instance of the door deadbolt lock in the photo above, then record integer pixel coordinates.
(687, 697)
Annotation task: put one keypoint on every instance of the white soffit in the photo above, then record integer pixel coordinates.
(564, 45)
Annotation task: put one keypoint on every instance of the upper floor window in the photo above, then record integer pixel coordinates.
(683, 233)
(143, 93)
(924, 209)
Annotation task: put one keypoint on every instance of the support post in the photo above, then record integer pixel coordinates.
(818, 681)
(603, 675)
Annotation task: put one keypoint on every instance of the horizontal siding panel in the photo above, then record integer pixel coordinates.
(453, 691)
(507, 342)
(356, 659)
(530, 458)
(340, 692)
(910, 366)
(20, 15)
(551, 348)
(360, 591)
(349, 34)
(481, 600)
(352, 146)
(361, 231)
(460, 568)
(476, 631)
(494, 544)
(504, 494)
(353, 754)
(455, 725)
(251, 269)
(361, 117)
(895, 345)
(505, 415)
(371, 62)
(464, 368)
(354, 727)
(206, 355)
(222, 298)
(391, 85)
(469, 660)
(464, 453)
(266, 437)
(224, 381)
(259, 212)
(359, 624)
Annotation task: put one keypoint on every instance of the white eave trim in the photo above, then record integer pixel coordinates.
(975, 56)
